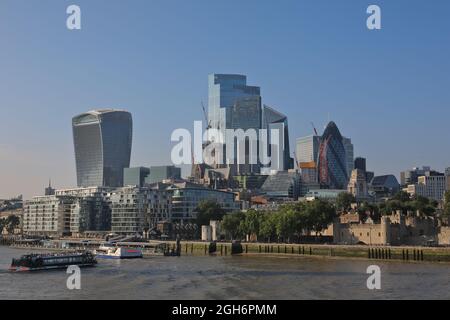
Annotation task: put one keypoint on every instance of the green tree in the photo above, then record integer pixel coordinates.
(12, 223)
(319, 215)
(208, 210)
(344, 201)
(401, 196)
(2, 225)
(267, 225)
(446, 212)
(251, 223)
(231, 224)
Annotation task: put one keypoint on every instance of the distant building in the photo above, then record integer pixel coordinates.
(273, 120)
(307, 149)
(323, 194)
(102, 140)
(369, 176)
(357, 185)
(161, 173)
(135, 176)
(49, 191)
(47, 215)
(309, 172)
(412, 176)
(250, 181)
(360, 163)
(384, 186)
(429, 186)
(135, 209)
(349, 154)
(284, 185)
(333, 160)
(90, 209)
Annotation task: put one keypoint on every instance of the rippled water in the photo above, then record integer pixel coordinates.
(189, 277)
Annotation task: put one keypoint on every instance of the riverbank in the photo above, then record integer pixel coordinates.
(193, 248)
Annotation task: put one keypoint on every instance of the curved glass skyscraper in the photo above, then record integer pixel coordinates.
(102, 140)
(332, 160)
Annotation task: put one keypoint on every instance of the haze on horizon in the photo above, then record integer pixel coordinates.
(314, 61)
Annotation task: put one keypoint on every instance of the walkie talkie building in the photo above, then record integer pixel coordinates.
(102, 141)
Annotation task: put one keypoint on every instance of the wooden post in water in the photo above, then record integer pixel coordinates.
(226, 249)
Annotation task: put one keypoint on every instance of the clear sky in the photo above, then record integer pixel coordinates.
(388, 90)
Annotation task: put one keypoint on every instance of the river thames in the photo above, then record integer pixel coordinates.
(228, 277)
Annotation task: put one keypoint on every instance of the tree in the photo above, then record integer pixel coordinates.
(231, 224)
(208, 210)
(446, 212)
(319, 215)
(251, 223)
(2, 225)
(344, 201)
(402, 196)
(267, 225)
(12, 223)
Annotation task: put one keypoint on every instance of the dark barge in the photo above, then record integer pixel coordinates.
(41, 261)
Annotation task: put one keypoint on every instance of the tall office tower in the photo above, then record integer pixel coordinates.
(235, 105)
(332, 162)
(246, 113)
(224, 91)
(307, 149)
(102, 141)
(349, 155)
(280, 158)
(360, 164)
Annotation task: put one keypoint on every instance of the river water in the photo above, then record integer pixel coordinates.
(230, 277)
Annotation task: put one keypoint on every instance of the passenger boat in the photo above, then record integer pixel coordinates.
(108, 251)
(42, 261)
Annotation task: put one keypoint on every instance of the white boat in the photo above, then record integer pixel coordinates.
(109, 251)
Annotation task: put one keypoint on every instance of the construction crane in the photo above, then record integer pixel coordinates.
(206, 117)
(314, 127)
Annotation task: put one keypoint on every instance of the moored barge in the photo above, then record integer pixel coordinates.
(39, 261)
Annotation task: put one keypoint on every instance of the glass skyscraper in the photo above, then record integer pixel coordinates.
(102, 141)
(332, 162)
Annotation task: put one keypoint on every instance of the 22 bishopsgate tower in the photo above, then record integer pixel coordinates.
(102, 141)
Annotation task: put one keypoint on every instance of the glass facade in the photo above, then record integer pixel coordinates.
(158, 174)
(332, 162)
(102, 141)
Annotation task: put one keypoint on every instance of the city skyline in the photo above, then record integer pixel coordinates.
(387, 97)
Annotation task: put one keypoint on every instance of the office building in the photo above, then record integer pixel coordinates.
(49, 191)
(384, 186)
(280, 157)
(307, 149)
(135, 176)
(284, 185)
(349, 155)
(430, 186)
(161, 173)
(412, 176)
(333, 160)
(360, 164)
(102, 141)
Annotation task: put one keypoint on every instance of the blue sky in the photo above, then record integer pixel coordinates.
(388, 90)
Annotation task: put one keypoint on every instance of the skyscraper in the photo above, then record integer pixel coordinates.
(349, 155)
(307, 148)
(332, 162)
(235, 105)
(102, 141)
(274, 120)
(360, 164)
